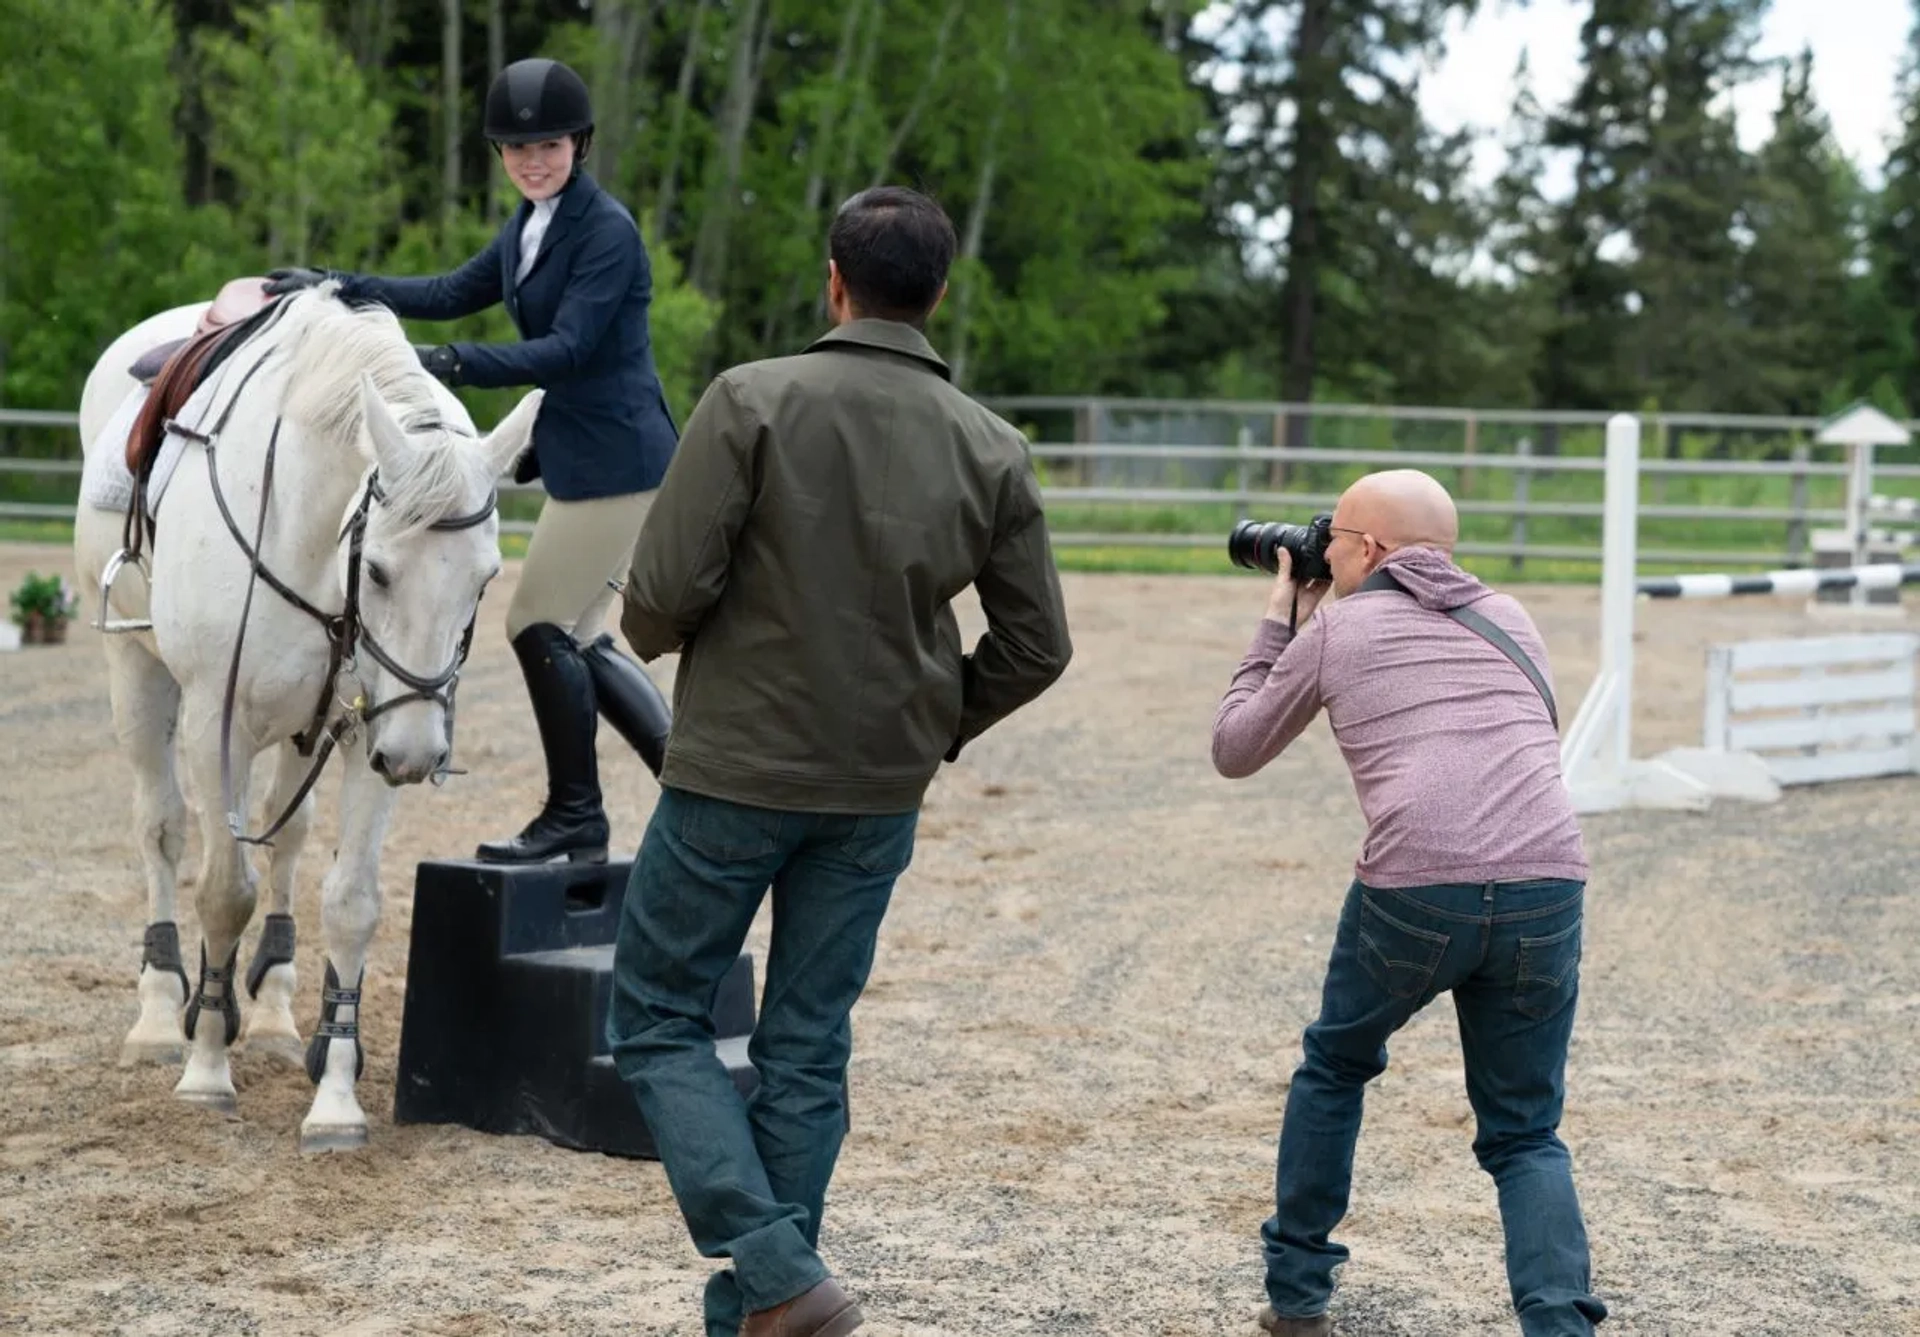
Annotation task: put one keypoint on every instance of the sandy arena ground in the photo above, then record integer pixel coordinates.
(1070, 1065)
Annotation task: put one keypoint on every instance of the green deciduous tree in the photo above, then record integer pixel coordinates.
(94, 234)
(307, 144)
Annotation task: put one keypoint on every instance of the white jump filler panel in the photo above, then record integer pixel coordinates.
(1827, 708)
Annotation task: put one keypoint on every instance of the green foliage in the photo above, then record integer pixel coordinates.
(1807, 205)
(305, 141)
(680, 320)
(1895, 243)
(93, 233)
(47, 597)
(1131, 219)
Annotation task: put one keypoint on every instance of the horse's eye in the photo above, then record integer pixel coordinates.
(378, 575)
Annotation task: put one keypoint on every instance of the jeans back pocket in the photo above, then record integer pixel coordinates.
(881, 845)
(1547, 972)
(1401, 958)
(728, 832)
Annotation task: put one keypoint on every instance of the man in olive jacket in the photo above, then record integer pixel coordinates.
(819, 516)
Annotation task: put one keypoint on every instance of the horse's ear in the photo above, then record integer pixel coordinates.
(391, 449)
(513, 433)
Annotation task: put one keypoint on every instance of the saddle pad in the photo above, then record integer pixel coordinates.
(106, 483)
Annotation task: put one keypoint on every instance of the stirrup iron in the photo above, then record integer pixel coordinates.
(107, 577)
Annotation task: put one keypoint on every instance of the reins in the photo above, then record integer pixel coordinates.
(346, 630)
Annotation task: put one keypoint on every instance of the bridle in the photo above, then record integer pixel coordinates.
(346, 631)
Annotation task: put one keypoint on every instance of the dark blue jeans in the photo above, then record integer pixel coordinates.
(1510, 952)
(750, 1175)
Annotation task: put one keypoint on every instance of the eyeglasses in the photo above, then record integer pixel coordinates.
(1336, 529)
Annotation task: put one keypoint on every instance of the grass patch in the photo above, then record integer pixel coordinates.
(36, 531)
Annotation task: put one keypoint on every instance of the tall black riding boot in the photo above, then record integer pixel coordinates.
(572, 823)
(630, 701)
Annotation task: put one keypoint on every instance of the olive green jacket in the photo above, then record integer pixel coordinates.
(819, 516)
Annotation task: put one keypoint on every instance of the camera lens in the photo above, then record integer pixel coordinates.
(1255, 545)
(1251, 546)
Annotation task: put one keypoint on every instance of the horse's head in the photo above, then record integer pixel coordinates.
(429, 543)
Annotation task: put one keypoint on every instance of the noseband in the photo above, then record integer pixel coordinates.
(346, 632)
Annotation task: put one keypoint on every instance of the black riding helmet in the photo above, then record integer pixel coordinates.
(538, 99)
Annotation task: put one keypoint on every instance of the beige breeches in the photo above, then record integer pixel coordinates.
(577, 563)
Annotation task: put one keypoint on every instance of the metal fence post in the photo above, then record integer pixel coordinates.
(1471, 447)
(1797, 501)
(1242, 482)
(1521, 486)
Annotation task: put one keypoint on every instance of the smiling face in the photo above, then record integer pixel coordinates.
(540, 170)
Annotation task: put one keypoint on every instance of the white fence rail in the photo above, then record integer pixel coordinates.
(1175, 474)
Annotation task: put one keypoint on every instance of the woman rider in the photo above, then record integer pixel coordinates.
(574, 275)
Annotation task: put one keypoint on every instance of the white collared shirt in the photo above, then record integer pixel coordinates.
(533, 233)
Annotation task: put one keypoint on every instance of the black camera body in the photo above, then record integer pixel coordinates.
(1255, 544)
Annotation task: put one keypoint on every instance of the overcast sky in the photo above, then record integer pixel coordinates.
(1856, 55)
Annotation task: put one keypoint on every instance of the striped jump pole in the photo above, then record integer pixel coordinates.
(1893, 508)
(1887, 575)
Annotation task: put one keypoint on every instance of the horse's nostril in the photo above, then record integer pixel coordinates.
(379, 763)
(440, 762)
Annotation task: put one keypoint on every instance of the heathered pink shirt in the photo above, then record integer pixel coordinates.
(1454, 759)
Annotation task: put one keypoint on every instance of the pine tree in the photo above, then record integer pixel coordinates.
(1645, 262)
(1800, 264)
(1895, 244)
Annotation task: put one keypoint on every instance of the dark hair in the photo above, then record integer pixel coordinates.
(893, 247)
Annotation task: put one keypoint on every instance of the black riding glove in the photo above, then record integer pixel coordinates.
(282, 281)
(440, 360)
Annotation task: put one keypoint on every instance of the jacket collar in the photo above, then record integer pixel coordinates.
(571, 202)
(888, 335)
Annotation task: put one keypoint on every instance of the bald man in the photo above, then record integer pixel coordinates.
(1471, 880)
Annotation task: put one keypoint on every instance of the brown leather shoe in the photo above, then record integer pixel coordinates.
(1320, 1325)
(824, 1311)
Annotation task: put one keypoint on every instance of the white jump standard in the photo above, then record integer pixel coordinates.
(1596, 755)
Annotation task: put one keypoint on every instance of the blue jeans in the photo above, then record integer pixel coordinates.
(750, 1175)
(1510, 952)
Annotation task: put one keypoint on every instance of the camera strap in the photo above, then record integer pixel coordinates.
(1382, 579)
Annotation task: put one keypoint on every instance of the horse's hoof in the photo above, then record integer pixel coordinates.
(167, 1053)
(281, 1051)
(220, 1102)
(333, 1137)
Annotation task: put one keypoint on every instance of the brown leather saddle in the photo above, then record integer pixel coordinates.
(174, 370)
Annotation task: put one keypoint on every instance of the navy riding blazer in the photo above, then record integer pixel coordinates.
(604, 428)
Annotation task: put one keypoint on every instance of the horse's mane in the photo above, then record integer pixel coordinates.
(331, 344)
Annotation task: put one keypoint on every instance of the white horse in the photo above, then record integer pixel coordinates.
(375, 540)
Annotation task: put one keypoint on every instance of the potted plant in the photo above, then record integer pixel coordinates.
(42, 606)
